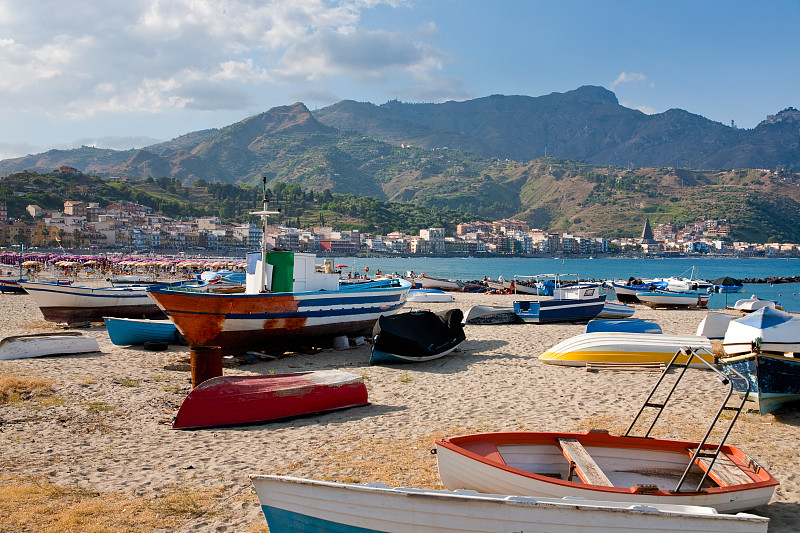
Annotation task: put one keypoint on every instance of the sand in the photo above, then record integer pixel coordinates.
(111, 433)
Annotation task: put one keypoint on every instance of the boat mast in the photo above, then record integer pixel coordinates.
(264, 214)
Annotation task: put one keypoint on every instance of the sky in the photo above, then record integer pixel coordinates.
(125, 74)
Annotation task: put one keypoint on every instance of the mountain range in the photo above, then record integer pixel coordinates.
(550, 159)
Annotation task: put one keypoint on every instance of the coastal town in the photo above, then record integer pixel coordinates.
(132, 228)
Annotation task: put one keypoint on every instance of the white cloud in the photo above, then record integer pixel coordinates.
(628, 77)
(80, 59)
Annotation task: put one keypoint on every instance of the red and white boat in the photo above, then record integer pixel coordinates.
(231, 400)
(601, 466)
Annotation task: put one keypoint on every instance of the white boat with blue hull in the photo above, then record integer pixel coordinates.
(304, 505)
(774, 379)
(571, 303)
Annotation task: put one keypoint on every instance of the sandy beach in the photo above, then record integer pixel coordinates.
(105, 430)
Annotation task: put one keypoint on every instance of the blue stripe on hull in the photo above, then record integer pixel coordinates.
(282, 521)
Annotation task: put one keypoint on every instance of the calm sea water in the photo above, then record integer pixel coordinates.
(474, 268)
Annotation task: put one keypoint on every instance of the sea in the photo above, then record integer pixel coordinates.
(603, 268)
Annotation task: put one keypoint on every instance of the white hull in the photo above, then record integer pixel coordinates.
(615, 310)
(714, 325)
(486, 314)
(25, 346)
(457, 471)
(664, 299)
(417, 295)
(441, 284)
(613, 347)
(292, 504)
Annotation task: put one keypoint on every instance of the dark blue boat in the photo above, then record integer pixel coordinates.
(774, 379)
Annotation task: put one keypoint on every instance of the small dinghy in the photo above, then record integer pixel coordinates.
(487, 314)
(639, 348)
(754, 303)
(44, 344)
(416, 336)
(622, 325)
(233, 400)
(129, 331)
(307, 505)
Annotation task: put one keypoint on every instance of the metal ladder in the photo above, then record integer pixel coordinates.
(701, 451)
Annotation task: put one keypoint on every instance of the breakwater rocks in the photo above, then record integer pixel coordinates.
(773, 280)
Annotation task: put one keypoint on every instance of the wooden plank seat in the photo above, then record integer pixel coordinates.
(724, 472)
(587, 469)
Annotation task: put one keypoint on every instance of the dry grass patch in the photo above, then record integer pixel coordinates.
(14, 388)
(37, 504)
(395, 461)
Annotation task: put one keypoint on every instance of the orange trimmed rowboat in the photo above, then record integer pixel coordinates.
(601, 466)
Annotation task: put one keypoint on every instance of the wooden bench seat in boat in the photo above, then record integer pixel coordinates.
(724, 472)
(587, 469)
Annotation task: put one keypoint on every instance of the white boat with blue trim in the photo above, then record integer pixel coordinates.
(570, 303)
(304, 505)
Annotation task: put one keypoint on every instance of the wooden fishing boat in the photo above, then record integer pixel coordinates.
(622, 325)
(286, 301)
(232, 400)
(429, 282)
(569, 304)
(626, 291)
(773, 330)
(44, 344)
(661, 298)
(74, 304)
(487, 314)
(305, 505)
(620, 347)
(774, 379)
(416, 336)
(129, 331)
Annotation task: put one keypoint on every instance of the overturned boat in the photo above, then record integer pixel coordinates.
(233, 400)
(416, 336)
(620, 347)
(44, 344)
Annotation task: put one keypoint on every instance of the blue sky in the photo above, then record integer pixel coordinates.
(124, 74)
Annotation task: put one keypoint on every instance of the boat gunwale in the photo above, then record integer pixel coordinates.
(590, 438)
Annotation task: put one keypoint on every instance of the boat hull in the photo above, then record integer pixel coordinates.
(41, 345)
(621, 347)
(622, 325)
(74, 304)
(533, 464)
(774, 379)
(129, 331)
(11, 286)
(485, 314)
(615, 310)
(234, 400)
(238, 322)
(668, 299)
(303, 505)
(559, 310)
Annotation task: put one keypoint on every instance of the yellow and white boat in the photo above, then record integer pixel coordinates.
(614, 347)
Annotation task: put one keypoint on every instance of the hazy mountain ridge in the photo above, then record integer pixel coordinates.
(486, 156)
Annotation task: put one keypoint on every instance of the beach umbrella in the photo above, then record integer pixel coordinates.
(341, 266)
(727, 280)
